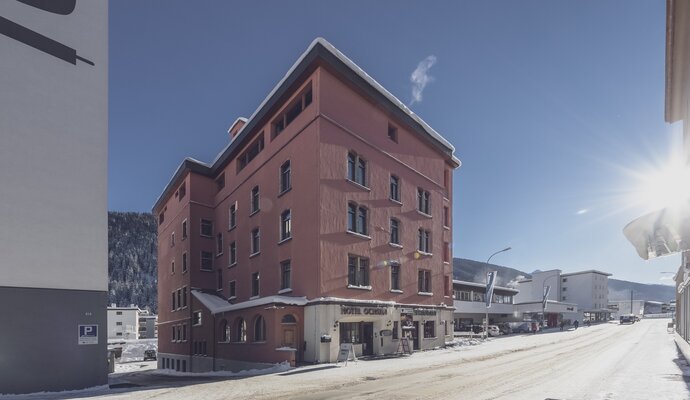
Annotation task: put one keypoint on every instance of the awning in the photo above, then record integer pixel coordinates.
(661, 233)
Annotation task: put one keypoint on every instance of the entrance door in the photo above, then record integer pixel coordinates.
(367, 338)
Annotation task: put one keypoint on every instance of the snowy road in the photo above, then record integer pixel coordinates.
(604, 362)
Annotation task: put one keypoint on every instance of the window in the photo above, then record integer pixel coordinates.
(184, 262)
(463, 296)
(172, 239)
(184, 296)
(292, 111)
(206, 227)
(357, 219)
(285, 275)
(446, 180)
(395, 276)
(288, 319)
(358, 271)
(182, 191)
(392, 133)
(240, 330)
(356, 169)
(565, 288)
(285, 225)
(231, 290)
(395, 231)
(224, 331)
(233, 253)
(232, 216)
(161, 218)
(118, 312)
(395, 330)
(565, 280)
(173, 302)
(424, 281)
(395, 188)
(446, 285)
(254, 200)
(206, 260)
(255, 284)
(220, 181)
(446, 252)
(118, 323)
(256, 241)
(446, 216)
(179, 298)
(252, 151)
(424, 241)
(184, 229)
(429, 329)
(285, 183)
(172, 266)
(423, 201)
(219, 244)
(174, 333)
(259, 329)
(350, 332)
(196, 318)
(219, 274)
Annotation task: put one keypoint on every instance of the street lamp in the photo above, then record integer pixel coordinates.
(486, 319)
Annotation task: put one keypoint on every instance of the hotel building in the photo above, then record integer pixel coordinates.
(325, 220)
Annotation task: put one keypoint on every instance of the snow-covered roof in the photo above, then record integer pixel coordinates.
(216, 304)
(315, 50)
(372, 302)
(589, 271)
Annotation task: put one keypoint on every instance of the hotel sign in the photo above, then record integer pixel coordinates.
(424, 311)
(347, 310)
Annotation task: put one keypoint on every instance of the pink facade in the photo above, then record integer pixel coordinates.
(316, 120)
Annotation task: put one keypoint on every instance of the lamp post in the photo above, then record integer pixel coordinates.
(486, 319)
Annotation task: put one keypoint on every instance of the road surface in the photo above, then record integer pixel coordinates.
(605, 362)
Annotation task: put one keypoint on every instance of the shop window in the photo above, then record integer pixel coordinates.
(429, 329)
(350, 332)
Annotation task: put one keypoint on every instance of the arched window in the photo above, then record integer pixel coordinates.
(288, 319)
(224, 331)
(240, 330)
(259, 329)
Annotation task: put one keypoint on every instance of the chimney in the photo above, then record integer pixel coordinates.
(236, 127)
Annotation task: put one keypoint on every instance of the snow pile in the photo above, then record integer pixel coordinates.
(462, 342)
(281, 367)
(134, 350)
(64, 394)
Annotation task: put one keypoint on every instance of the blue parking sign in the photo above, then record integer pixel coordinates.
(88, 334)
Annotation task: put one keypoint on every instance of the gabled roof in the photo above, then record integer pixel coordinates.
(319, 50)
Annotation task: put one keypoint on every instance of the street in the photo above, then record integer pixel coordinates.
(607, 361)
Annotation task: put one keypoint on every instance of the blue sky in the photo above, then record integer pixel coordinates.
(550, 105)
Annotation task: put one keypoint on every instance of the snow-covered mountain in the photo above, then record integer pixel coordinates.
(132, 264)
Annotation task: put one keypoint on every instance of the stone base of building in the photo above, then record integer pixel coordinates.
(40, 340)
(197, 364)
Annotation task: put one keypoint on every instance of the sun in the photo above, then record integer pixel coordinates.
(665, 186)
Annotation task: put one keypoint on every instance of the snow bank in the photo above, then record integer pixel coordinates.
(282, 367)
(461, 342)
(134, 350)
(95, 390)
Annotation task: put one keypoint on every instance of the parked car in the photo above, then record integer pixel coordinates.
(505, 328)
(627, 319)
(494, 331)
(150, 355)
(521, 327)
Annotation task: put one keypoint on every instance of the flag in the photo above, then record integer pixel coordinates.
(490, 283)
(546, 296)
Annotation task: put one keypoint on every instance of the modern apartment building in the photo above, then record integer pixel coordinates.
(470, 304)
(578, 295)
(123, 322)
(53, 196)
(325, 220)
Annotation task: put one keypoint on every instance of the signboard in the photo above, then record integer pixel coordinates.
(490, 284)
(88, 334)
(386, 332)
(346, 310)
(405, 311)
(347, 353)
(546, 296)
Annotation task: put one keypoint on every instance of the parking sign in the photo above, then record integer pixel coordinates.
(88, 334)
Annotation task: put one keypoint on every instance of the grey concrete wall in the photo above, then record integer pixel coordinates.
(39, 348)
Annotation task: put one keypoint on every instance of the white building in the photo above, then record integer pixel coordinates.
(123, 322)
(470, 304)
(586, 290)
(148, 326)
(53, 201)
